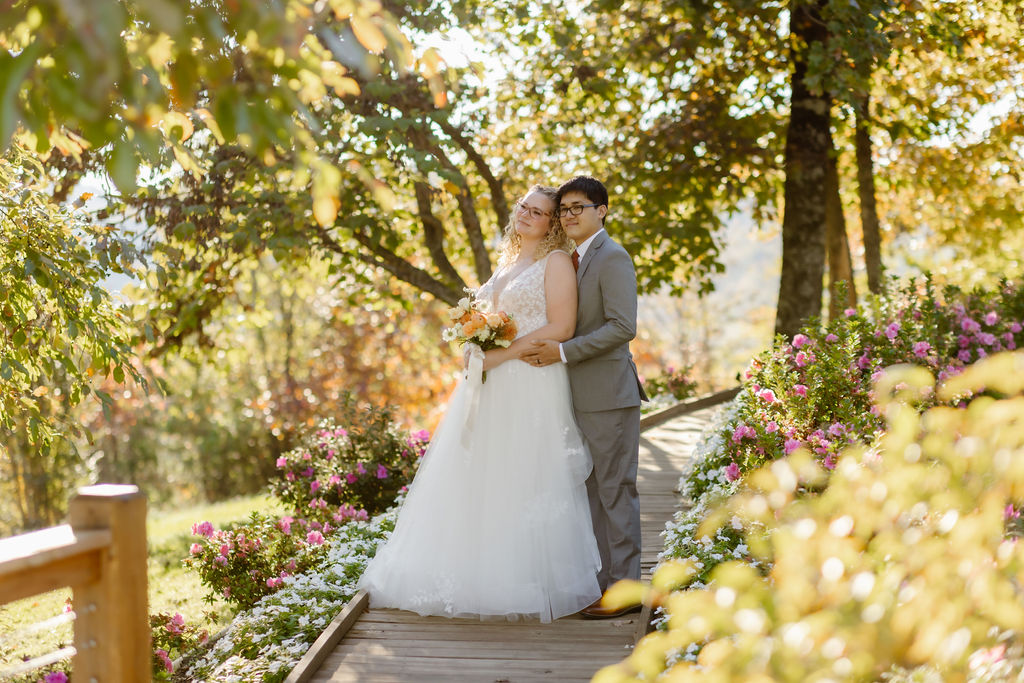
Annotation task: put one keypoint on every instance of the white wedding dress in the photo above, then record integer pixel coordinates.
(496, 522)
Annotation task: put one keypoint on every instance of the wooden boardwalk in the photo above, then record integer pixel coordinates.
(383, 645)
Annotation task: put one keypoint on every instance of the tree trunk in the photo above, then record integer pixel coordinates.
(840, 264)
(807, 147)
(868, 207)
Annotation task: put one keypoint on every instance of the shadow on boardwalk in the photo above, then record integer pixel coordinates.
(382, 645)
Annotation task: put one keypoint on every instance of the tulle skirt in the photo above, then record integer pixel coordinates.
(496, 522)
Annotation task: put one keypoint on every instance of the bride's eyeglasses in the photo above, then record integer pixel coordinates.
(575, 209)
(532, 210)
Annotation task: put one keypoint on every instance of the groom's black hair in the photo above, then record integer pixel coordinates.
(592, 188)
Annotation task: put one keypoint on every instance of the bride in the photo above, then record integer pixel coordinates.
(496, 522)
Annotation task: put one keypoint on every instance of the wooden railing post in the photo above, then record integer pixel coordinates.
(112, 634)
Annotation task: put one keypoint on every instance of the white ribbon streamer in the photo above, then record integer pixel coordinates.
(474, 382)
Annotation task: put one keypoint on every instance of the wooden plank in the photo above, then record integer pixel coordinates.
(39, 548)
(326, 642)
(75, 570)
(686, 407)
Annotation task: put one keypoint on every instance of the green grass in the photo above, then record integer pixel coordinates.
(171, 588)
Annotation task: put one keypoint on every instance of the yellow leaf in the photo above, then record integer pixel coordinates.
(368, 34)
(175, 119)
(673, 575)
(211, 124)
(624, 593)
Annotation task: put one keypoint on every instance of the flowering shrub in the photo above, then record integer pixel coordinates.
(172, 637)
(264, 642)
(246, 561)
(900, 569)
(338, 471)
(337, 475)
(815, 391)
(676, 383)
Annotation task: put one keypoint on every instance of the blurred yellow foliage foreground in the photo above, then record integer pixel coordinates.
(902, 567)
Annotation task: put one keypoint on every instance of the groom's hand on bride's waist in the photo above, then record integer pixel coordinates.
(541, 352)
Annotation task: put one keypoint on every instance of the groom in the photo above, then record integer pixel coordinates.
(606, 391)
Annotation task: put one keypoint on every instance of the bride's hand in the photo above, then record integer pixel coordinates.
(494, 358)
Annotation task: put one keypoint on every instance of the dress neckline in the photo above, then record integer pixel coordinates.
(496, 294)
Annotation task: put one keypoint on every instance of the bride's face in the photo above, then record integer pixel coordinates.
(533, 216)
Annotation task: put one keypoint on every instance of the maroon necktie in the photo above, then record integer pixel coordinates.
(575, 260)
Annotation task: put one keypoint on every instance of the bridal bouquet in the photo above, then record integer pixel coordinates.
(474, 323)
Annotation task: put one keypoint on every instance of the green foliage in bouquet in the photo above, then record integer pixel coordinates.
(902, 568)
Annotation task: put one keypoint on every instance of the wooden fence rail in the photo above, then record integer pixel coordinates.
(101, 556)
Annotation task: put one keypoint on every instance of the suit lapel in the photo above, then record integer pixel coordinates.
(589, 256)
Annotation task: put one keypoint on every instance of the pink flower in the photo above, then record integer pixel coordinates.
(801, 359)
(837, 429)
(55, 677)
(307, 456)
(314, 486)
(224, 550)
(968, 325)
(176, 625)
(314, 538)
(850, 312)
(1015, 327)
(382, 472)
(221, 560)
(964, 355)
(330, 454)
(340, 432)
(421, 435)
(864, 362)
(921, 349)
(290, 476)
(351, 478)
(987, 338)
(282, 461)
(166, 660)
(732, 472)
(360, 469)
(772, 427)
(768, 396)
(790, 446)
(195, 549)
(274, 582)
(308, 472)
(829, 463)
(285, 524)
(800, 340)
(991, 318)
(202, 529)
(334, 479)
(1010, 512)
(830, 338)
(361, 515)
(800, 390)
(892, 330)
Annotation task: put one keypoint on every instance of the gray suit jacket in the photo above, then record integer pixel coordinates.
(601, 369)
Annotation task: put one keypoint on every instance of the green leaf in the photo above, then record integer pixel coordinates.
(18, 338)
(122, 166)
(119, 375)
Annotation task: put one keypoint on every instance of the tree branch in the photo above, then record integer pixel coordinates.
(496, 185)
(380, 257)
(433, 234)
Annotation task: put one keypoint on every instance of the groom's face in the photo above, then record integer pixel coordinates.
(580, 227)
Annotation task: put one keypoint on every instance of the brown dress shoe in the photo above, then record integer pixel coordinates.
(596, 611)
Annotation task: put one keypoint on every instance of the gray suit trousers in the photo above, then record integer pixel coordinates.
(613, 437)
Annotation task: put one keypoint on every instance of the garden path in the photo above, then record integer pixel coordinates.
(383, 645)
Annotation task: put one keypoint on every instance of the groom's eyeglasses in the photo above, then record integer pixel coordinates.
(575, 209)
(532, 210)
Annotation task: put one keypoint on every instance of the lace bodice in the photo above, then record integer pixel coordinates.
(522, 298)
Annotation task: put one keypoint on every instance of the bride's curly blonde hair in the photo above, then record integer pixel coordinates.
(555, 239)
